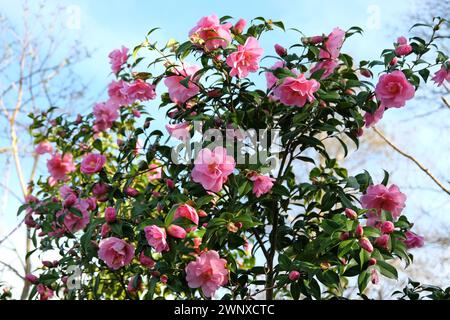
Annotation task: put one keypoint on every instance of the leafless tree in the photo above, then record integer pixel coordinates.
(37, 58)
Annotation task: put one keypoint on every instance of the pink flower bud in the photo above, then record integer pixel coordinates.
(32, 278)
(231, 227)
(92, 203)
(294, 275)
(79, 119)
(393, 62)
(64, 279)
(280, 50)
(170, 184)
(47, 264)
(351, 214)
(136, 113)
(176, 231)
(372, 261)
(365, 244)
(159, 207)
(105, 230)
(359, 231)
(366, 73)
(110, 214)
(344, 236)
(163, 279)
(402, 40)
(387, 227)
(131, 192)
(382, 241)
(240, 26)
(238, 225)
(99, 190)
(360, 132)
(374, 276)
(403, 50)
(214, 93)
(146, 261)
(29, 221)
(202, 213)
(315, 39)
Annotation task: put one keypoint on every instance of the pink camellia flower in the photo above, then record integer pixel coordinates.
(333, 44)
(180, 131)
(245, 59)
(240, 26)
(208, 272)
(110, 214)
(212, 168)
(157, 238)
(176, 231)
(44, 292)
(294, 275)
(270, 77)
(60, 165)
(387, 227)
(261, 184)
(393, 89)
(442, 74)
(74, 222)
(296, 91)
(146, 261)
(116, 93)
(187, 212)
(155, 172)
(43, 148)
(115, 252)
(139, 90)
(372, 119)
(210, 33)
(328, 65)
(178, 92)
(413, 240)
(380, 197)
(92, 163)
(366, 244)
(403, 48)
(118, 58)
(105, 114)
(382, 241)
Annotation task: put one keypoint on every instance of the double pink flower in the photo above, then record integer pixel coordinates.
(245, 59)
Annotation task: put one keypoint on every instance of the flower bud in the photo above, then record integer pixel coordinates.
(365, 244)
(351, 214)
(372, 261)
(366, 73)
(240, 26)
(294, 275)
(105, 230)
(110, 214)
(146, 261)
(202, 213)
(32, 278)
(131, 192)
(387, 227)
(163, 279)
(393, 61)
(344, 236)
(231, 227)
(374, 276)
(359, 231)
(382, 241)
(176, 231)
(136, 113)
(280, 50)
(170, 184)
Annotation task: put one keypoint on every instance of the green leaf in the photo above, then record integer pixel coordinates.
(363, 280)
(387, 270)
(295, 291)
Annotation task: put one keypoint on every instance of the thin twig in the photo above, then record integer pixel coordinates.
(408, 156)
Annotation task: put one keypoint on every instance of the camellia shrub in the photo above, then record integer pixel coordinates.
(217, 210)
